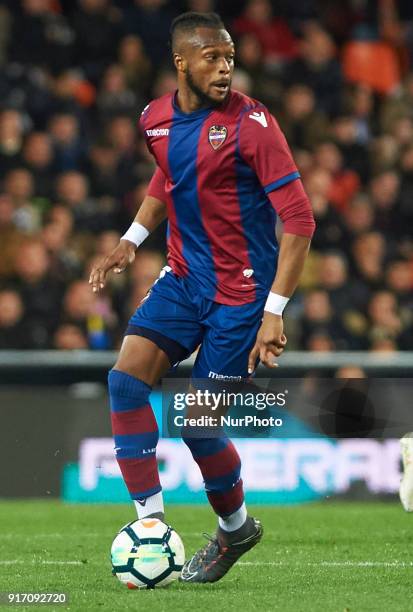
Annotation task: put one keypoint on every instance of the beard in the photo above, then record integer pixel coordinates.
(204, 99)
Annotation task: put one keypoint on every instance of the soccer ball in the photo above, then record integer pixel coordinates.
(146, 554)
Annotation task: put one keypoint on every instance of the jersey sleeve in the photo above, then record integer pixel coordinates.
(156, 187)
(292, 205)
(264, 148)
(142, 126)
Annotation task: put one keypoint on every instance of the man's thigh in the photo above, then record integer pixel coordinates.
(168, 318)
(142, 359)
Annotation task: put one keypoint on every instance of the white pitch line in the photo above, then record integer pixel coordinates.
(328, 563)
(395, 564)
(52, 535)
(89, 534)
(39, 562)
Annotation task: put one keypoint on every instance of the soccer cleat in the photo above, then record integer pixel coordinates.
(406, 485)
(214, 560)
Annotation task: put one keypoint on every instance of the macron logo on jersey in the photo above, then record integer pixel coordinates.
(159, 132)
(260, 117)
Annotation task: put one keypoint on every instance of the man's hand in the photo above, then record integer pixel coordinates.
(117, 261)
(270, 342)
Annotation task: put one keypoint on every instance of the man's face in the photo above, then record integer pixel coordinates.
(207, 63)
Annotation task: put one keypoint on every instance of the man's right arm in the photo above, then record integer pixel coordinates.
(150, 214)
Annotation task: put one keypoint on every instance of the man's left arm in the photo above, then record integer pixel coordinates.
(293, 207)
(264, 148)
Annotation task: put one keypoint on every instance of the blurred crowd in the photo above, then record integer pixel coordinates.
(74, 77)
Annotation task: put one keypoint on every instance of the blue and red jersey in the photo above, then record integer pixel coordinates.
(215, 170)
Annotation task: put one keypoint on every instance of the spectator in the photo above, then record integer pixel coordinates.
(41, 36)
(164, 83)
(121, 135)
(330, 229)
(344, 183)
(320, 342)
(387, 321)
(404, 209)
(69, 337)
(37, 159)
(13, 331)
(362, 109)
(19, 185)
(399, 280)
(320, 321)
(384, 191)
(135, 64)
(11, 140)
(103, 171)
(359, 216)
(150, 20)
(97, 28)
(114, 97)
(355, 155)
(10, 236)
(318, 68)
(384, 154)
(91, 313)
(334, 278)
(65, 262)
(64, 97)
(274, 35)
(368, 253)
(397, 105)
(68, 149)
(250, 57)
(40, 291)
(402, 130)
(63, 216)
(90, 215)
(303, 125)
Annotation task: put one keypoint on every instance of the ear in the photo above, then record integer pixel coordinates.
(179, 62)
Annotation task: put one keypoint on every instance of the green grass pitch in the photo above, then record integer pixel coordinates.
(332, 556)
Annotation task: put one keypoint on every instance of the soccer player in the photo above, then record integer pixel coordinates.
(224, 173)
(406, 484)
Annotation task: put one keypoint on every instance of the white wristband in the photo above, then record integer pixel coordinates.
(275, 303)
(136, 233)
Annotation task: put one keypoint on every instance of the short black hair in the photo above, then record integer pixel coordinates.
(188, 22)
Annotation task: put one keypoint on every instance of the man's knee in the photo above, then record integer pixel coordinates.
(142, 359)
(127, 392)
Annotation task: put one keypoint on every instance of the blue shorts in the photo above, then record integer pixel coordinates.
(179, 320)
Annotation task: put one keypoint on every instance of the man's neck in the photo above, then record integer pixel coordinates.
(189, 102)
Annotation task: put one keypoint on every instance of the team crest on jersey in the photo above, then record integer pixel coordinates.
(217, 135)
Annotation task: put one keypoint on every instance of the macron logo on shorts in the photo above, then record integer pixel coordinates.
(223, 376)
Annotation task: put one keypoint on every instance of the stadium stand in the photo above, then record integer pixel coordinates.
(74, 78)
